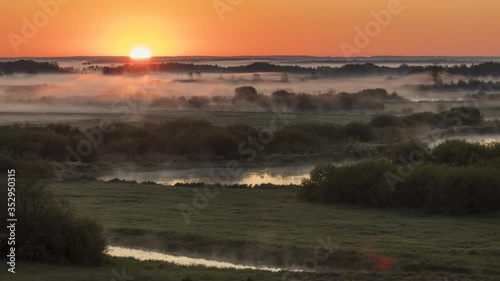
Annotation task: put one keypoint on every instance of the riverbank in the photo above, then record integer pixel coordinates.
(271, 227)
(130, 269)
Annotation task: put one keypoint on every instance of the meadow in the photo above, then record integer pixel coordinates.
(270, 226)
(219, 118)
(276, 226)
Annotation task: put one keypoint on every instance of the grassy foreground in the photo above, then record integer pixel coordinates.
(128, 270)
(131, 270)
(272, 227)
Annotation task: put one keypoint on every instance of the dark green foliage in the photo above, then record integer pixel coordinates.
(48, 142)
(358, 184)
(199, 139)
(407, 152)
(462, 116)
(435, 189)
(317, 184)
(468, 190)
(358, 131)
(414, 191)
(428, 118)
(457, 116)
(219, 142)
(47, 229)
(460, 153)
(382, 121)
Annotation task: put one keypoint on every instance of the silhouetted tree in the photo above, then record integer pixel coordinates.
(245, 94)
(435, 76)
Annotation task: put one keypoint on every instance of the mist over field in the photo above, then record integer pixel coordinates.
(259, 140)
(96, 92)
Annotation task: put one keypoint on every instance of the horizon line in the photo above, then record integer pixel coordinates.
(257, 56)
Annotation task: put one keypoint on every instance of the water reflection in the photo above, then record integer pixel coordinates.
(250, 176)
(143, 255)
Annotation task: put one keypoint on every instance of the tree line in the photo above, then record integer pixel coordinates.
(455, 178)
(347, 70)
(200, 140)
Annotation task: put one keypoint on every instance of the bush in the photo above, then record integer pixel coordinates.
(359, 184)
(408, 152)
(459, 153)
(462, 116)
(468, 190)
(358, 131)
(414, 191)
(49, 230)
(219, 142)
(314, 188)
(423, 118)
(382, 121)
(436, 189)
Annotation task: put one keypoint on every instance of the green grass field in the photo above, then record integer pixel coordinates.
(271, 226)
(130, 270)
(219, 118)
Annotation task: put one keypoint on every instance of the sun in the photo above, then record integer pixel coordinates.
(140, 53)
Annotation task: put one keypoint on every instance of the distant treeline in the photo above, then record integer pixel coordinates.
(29, 67)
(455, 178)
(245, 99)
(200, 140)
(248, 98)
(474, 85)
(365, 69)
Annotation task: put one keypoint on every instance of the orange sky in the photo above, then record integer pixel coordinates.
(252, 27)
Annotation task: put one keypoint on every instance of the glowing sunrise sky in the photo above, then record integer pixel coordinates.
(253, 27)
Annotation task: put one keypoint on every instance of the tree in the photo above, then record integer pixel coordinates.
(245, 94)
(198, 102)
(256, 77)
(7, 70)
(435, 76)
(49, 229)
(218, 100)
(285, 78)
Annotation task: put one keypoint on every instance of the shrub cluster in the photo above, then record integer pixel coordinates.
(371, 99)
(48, 230)
(458, 116)
(434, 188)
(248, 98)
(203, 140)
(455, 177)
